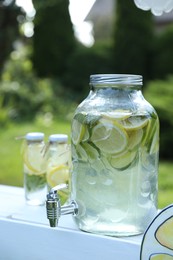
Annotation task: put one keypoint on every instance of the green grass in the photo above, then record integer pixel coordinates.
(165, 184)
(11, 166)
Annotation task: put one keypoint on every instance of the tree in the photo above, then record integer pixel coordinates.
(133, 37)
(53, 40)
(159, 93)
(163, 62)
(9, 29)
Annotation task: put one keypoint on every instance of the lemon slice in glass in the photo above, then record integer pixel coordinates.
(118, 114)
(123, 160)
(86, 135)
(81, 153)
(154, 148)
(109, 137)
(78, 131)
(91, 152)
(134, 122)
(135, 138)
(151, 130)
(58, 175)
(34, 161)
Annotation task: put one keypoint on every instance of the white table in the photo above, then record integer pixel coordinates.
(25, 235)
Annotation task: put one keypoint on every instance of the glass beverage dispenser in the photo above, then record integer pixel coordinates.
(115, 144)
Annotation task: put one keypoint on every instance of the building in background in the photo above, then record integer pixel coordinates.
(102, 17)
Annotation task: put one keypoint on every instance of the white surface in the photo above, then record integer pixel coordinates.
(25, 234)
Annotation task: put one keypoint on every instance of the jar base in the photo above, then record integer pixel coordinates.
(116, 231)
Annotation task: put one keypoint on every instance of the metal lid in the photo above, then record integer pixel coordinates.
(59, 138)
(111, 79)
(34, 136)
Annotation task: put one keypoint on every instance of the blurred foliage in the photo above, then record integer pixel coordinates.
(53, 40)
(9, 28)
(133, 39)
(163, 53)
(84, 62)
(65, 65)
(24, 96)
(160, 94)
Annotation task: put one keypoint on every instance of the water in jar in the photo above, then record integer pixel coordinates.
(114, 179)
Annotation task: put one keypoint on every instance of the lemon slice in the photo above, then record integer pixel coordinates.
(149, 129)
(78, 131)
(161, 257)
(164, 234)
(117, 114)
(107, 163)
(109, 137)
(151, 136)
(60, 156)
(86, 135)
(135, 138)
(91, 152)
(154, 148)
(34, 161)
(134, 122)
(58, 175)
(123, 160)
(81, 153)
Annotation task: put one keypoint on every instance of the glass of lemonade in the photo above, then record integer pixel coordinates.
(35, 185)
(115, 144)
(58, 164)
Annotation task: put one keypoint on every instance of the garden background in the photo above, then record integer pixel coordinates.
(44, 77)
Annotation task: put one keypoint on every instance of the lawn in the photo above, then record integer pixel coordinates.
(165, 183)
(11, 159)
(10, 151)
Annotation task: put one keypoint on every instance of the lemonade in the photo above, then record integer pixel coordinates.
(34, 169)
(115, 164)
(58, 164)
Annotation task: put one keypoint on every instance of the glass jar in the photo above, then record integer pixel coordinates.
(115, 143)
(35, 185)
(58, 163)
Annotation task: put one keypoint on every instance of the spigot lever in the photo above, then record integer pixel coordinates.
(53, 205)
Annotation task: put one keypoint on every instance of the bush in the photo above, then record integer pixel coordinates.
(159, 93)
(162, 61)
(25, 96)
(133, 39)
(84, 62)
(53, 39)
(3, 117)
(9, 28)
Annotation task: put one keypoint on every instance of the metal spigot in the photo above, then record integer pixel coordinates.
(54, 208)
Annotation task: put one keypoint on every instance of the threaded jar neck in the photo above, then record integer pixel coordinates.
(116, 79)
